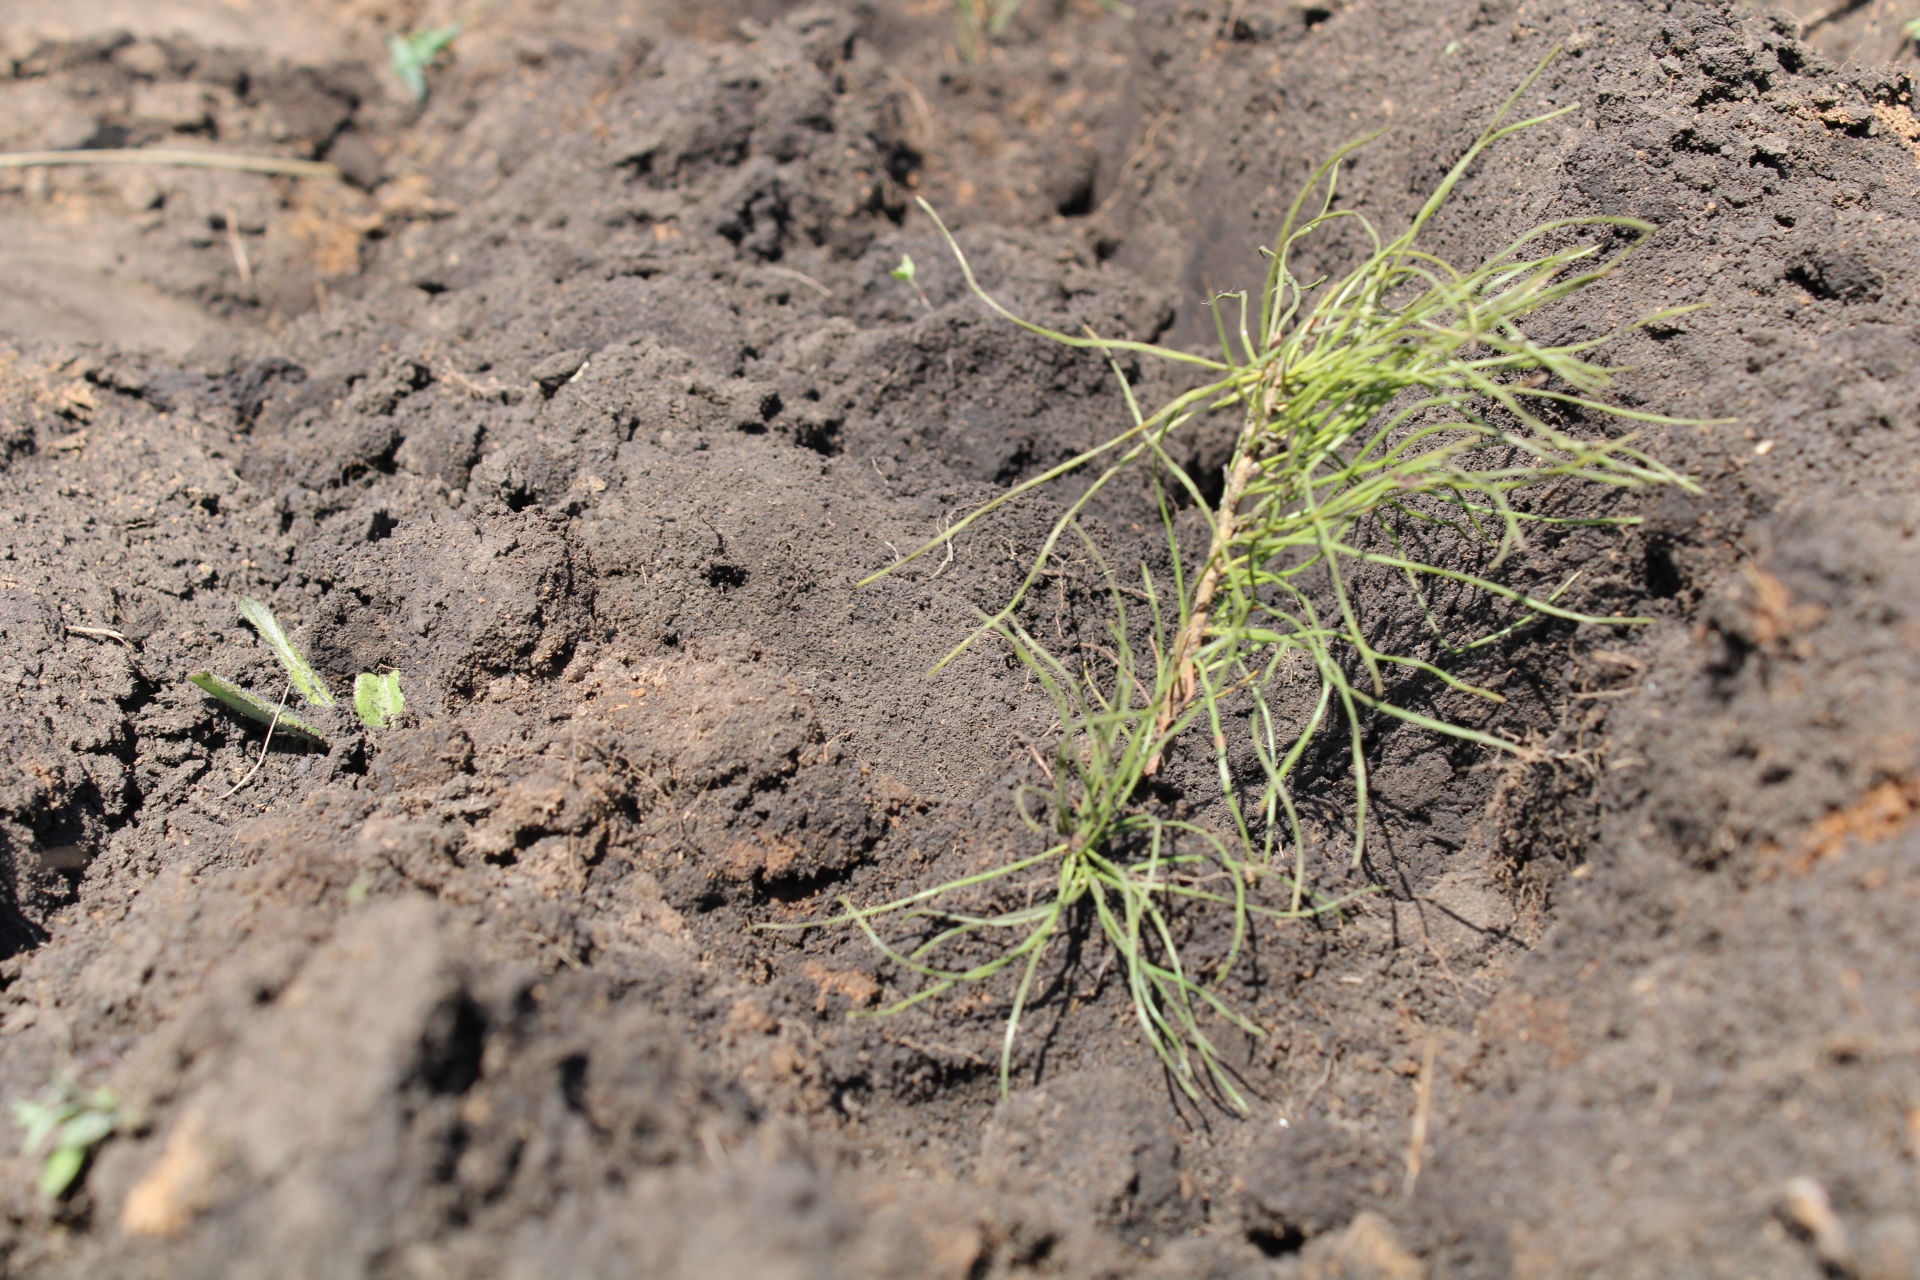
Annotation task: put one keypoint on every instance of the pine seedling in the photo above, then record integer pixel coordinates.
(1406, 397)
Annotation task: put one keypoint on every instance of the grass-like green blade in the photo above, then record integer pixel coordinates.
(377, 698)
(257, 708)
(299, 670)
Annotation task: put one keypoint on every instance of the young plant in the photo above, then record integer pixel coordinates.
(66, 1124)
(908, 274)
(1404, 397)
(377, 699)
(411, 53)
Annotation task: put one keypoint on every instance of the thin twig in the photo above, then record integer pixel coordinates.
(948, 562)
(1422, 1112)
(1045, 768)
(239, 249)
(279, 165)
(104, 633)
(264, 744)
(805, 279)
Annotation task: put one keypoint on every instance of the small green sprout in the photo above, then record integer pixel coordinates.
(68, 1123)
(1912, 31)
(907, 273)
(409, 54)
(376, 698)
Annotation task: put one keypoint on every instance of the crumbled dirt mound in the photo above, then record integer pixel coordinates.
(585, 399)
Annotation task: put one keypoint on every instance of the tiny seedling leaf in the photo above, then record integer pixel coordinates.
(59, 1169)
(410, 55)
(905, 271)
(39, 1119)
(89, 1127)
(299, 670)
(377, 698)
(255, 707)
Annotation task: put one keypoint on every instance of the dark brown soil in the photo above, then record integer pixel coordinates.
(586, 399)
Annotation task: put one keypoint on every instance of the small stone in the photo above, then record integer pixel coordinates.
(554, 371)
(357, 160)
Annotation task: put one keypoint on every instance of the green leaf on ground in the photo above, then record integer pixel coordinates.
(377, 698)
